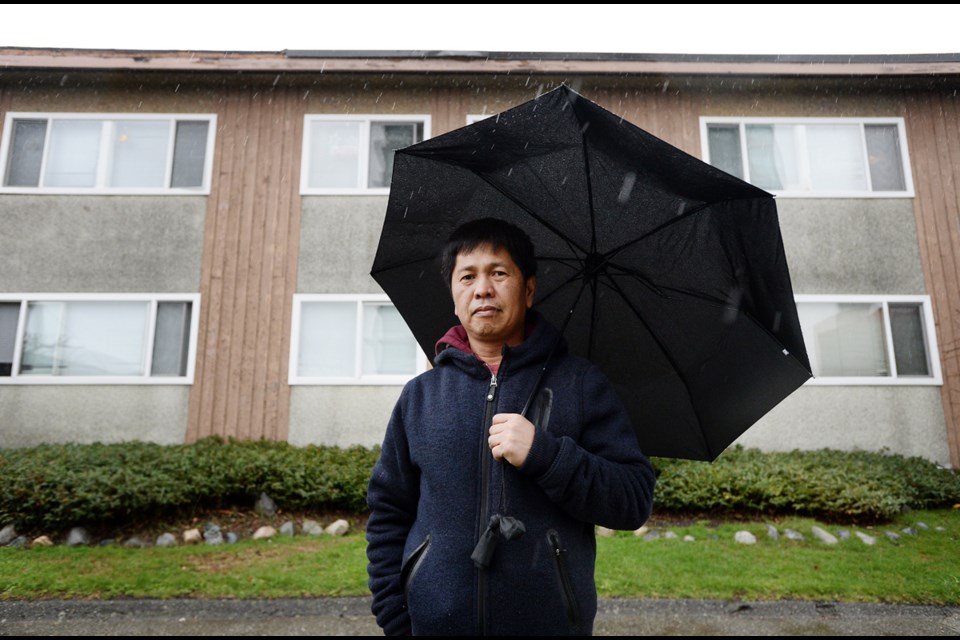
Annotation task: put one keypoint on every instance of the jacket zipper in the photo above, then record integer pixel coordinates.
(485, 457)
(566, 588)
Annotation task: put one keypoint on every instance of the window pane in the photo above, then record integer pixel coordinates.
(772, 154)
(844, 339)
(388, 345)
(73, 154)
(385, 138)
(85, 338)
(189, 153)
(139, 153)
(171, 345)
(724, 143)
(883, 155)
(909, 346)
(328, 338)
(9, 315)
(26, 153)
(334, 154)
(836, 158)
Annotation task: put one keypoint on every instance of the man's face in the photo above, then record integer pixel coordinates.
(490, 295)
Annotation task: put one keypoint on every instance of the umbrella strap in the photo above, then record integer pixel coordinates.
(553, 350)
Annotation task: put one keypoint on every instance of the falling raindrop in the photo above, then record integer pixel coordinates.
(628, 181)
(276, 80)
(177, 88)
(306, 93)
(63, 80)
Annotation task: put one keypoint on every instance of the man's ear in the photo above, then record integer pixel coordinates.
(531, 288)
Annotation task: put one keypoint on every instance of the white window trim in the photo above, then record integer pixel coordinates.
(477, 117)
(364, 150)
(204, 189)
(930, 336)
(361, 380)
(153, 298)
(908, 192)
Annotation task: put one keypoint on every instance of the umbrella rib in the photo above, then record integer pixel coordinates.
(570, 243)
(403, 264)
(666, 353)
(686, 214)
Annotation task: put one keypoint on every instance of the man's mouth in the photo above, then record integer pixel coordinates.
(486, 310)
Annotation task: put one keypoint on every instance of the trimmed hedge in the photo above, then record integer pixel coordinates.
(828, 484)
(58, 486)
(64, 485)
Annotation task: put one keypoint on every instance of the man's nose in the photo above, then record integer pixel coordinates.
(483, 288)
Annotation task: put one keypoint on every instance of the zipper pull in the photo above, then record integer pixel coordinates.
(492, 391)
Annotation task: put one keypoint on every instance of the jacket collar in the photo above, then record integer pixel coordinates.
(454, 347)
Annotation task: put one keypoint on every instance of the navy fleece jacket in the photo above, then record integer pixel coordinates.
(430, 500)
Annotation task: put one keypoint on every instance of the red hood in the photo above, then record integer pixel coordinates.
(456, 336)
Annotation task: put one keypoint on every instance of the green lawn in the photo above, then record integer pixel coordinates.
(921, 569)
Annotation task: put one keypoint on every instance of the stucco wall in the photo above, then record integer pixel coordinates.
(338, 240)
(901, 420)
(852, 246)
(100, 244)
(340, 415)
(32, 415)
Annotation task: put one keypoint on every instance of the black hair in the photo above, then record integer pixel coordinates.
(497, 233)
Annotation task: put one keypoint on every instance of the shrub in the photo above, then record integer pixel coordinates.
(65, 485)
(828, 484)
(58, 486)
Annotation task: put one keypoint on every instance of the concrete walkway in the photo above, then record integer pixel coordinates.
(351, 617)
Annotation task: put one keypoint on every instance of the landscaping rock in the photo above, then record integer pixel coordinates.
(192, 536)
(604, 532)
(338, 528)
(670, 535)
(232, 537)
(7, 534)
(652, 535)
(866, 538)
(792, 534)
(642, 531)
(923, 526)
(892, 535)
(910, 531)
(287, 529)
(212, 534)
(823, 536)
(311, 527)
(19, 541)
(78, 536)
(772, 532)
(135, 543)
(264, 533)
(843, 534)
(689, 538)
(42, 541)
(265, 506)
(745, 537)
(166, 540)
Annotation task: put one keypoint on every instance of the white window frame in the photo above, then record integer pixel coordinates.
(102, 189)
(359, 379)
(908, 192)
(24, 299)
(477, 117)
(363, 152)
(929, 331)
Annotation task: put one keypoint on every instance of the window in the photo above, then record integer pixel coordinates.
(97, 339)
(107, 153)
(870, 339)
(812, 157)
(351, 339)
(354, 154)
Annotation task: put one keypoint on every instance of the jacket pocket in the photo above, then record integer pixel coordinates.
(412, 565)
(563, 575)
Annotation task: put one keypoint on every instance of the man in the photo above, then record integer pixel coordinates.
(460, 466)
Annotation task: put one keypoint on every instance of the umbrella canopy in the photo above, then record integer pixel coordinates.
(667, 273)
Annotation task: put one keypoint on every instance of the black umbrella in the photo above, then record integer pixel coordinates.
(666, 272)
